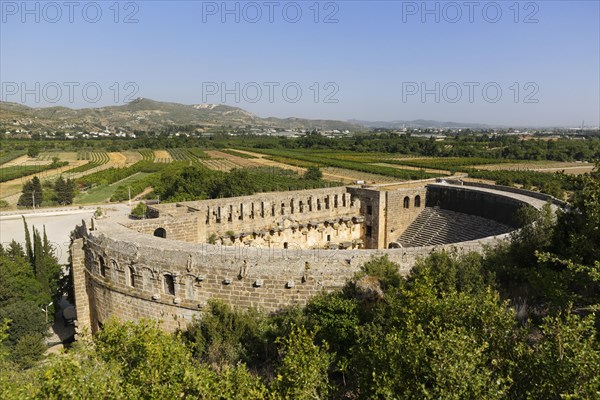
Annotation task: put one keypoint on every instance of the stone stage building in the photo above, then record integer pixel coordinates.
(272, 250)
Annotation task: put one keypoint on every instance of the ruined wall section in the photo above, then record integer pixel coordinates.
(301, 219)
(372, 208)
(402, 207)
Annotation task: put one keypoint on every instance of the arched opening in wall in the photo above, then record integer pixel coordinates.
(417, 201)
(131, 277)
(285, 245)
(102, 266)
(406, 202)
(160, 232)
(169, 284)
(329, 238)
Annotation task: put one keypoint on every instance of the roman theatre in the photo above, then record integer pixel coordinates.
(272, 250)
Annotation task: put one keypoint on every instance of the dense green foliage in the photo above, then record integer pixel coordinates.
(18, 171)
(29, 281)
(64, 191)
(328, 160)
(32, 193)
(6, 156)
(554, 184)
(60, 192)
(194, 182)
(112, 175)
(464, 144)
(188, 154)
(448, 163)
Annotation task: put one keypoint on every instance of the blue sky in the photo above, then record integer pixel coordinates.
(505, 62)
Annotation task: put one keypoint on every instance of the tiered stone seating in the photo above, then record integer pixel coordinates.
(436, 226)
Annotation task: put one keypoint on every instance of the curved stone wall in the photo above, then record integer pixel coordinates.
(123, 271)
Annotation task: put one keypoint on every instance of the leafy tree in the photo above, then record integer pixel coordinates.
(26, 318)
(450, 271)
(564, 362)
(152, 361)
(33, 151)
(383, 268)
(226, 336)
(28, 245)
(313, 174)
(424, 343)
(577, 231)
(28, 350)
(17, 281)
(64, 190)
(302, 372)
(82, 374)
(32, 193)
(335, 319)
(229, 382)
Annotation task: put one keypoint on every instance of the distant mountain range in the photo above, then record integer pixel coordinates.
(145, 114)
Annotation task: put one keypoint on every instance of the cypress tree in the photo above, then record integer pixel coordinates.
(26, 198)
(28, 247)
(37, 189)
(41, 272)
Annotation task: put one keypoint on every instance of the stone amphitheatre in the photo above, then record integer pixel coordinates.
(273, 250)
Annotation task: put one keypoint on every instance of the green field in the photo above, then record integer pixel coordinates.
(19, 171)
(449, 163)
(7, 156)
(100, 194)
(347, 160)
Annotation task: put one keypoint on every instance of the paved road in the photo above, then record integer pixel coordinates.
(59, 223)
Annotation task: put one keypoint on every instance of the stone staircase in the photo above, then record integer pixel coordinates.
(435, 226)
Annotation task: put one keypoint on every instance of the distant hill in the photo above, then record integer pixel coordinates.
(146, 114)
